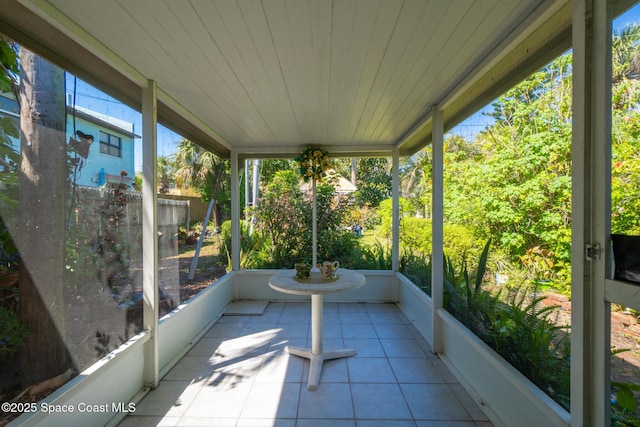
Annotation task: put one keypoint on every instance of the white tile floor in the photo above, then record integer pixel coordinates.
(238, 374)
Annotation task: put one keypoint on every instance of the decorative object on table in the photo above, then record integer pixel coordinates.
(313, 162)
(302, 270)
(626, 255)
(329, 269)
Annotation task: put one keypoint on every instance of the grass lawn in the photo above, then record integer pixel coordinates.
(209, 257)
(371, 238)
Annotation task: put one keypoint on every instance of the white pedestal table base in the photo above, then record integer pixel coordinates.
(286, 282)
(316, 354)
(317, 360)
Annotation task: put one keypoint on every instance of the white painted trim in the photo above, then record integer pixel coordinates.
(245, 172)
(437, 224)
(506, 396)
(184, 326)
(279, 151)
(591, 144)
(235, 211)
(395, 209)
(416, 305)
(314, 224)
(118, 377)
(149, 231)
(254, 285)
(623, 293)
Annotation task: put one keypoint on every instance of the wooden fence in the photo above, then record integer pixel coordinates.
(197, 208)
(171, 213)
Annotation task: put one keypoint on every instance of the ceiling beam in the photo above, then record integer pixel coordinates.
(276, 151)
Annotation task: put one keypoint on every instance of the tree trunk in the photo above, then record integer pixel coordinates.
(43, 189)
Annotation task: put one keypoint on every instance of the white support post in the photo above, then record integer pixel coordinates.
(314, 226)
(150, 232)
(235, 211)
(591, 164)
(437, 226)
(246, 186)
(256, 191)
(395, 209)
(256, 182)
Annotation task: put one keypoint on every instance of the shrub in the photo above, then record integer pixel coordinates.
(518, 328)
(460, 244)
(376, 257)
(417, 268)
(283, 228)
(415, 233)
(250, 244)
(338, 245)
(284, 215)
(458, 241)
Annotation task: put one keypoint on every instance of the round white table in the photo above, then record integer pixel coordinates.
(316, 286)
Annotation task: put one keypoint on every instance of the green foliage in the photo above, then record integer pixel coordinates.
(376, 257)
(12, 331)
(416, 181)
(516, 326)
(284, 216)
(513, 182)
(9, 155)
(464, 298)
(12, 336)
(207, 173)
(339, 245)
(9, 259)
(385, 213)
(625, 198)
(417, 268)
(415, 233)
(165, 171)
(625, 173)
(522, 332)
(460, 243)
(624, 406)
(250, 245)
(514, 185)
(373, 181)
(10, 66)
(269, 167)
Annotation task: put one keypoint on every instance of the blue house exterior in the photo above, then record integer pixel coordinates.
(109, 157)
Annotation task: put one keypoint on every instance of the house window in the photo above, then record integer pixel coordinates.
(110, 144)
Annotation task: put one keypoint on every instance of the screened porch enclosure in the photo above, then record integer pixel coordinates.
(263, 80)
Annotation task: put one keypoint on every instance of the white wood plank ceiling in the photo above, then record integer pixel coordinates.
(269, 77)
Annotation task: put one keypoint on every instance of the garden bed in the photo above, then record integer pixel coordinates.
(625, 334)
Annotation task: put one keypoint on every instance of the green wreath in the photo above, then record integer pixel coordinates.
(313, 162)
